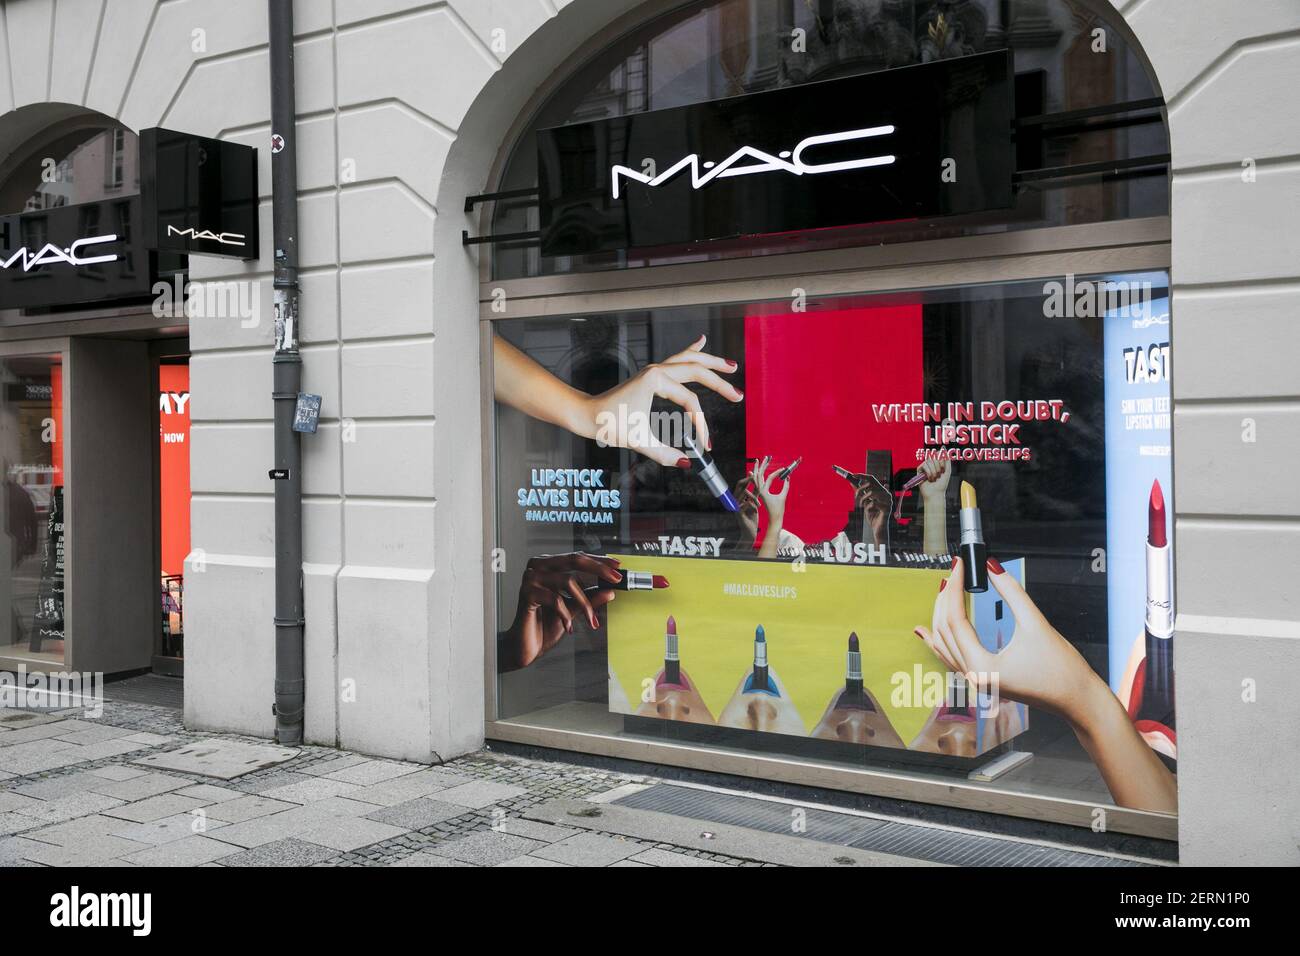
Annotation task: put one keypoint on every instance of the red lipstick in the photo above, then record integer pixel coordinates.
(633, 581)
(672, 661)
(1156, 535)
(1152, 701)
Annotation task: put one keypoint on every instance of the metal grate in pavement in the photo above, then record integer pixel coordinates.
(152, 689)
(916, 842)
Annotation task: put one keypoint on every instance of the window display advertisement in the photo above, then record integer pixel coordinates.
(883, 531)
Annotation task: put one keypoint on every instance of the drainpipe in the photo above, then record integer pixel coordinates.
(287, 367)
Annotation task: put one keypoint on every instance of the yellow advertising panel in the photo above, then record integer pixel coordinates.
(807, 617)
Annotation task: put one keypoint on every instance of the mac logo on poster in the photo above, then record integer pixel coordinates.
(50, 254)
(787, 161)
(225, 238)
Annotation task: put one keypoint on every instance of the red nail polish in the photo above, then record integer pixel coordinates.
(683, 463)
(943, 584)
(917, 632)
(953, 565)
(995, 566)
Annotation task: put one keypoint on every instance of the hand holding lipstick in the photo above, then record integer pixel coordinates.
(621, 415)
(773, 501)
(552, 596)
(1041, 668)
(1037, 667)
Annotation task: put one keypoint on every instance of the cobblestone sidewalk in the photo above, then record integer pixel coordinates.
(71, 796)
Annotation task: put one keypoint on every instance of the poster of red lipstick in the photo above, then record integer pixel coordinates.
(1139, 520)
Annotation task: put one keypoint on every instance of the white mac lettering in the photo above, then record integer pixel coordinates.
(225, 238)
(51, 253)
(790, 162)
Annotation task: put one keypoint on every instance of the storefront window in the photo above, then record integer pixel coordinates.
(1096, 159)
(910, 531)
(32, 563)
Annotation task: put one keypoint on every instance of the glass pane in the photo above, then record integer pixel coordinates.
(789, 538)
(707, 51)
(32, 565)
(174, 498)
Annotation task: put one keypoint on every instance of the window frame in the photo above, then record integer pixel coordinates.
(1115, 246)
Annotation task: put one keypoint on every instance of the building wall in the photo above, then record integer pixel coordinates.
(402, 108)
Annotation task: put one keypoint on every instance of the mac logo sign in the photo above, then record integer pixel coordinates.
(225, 238)
(863, 151)
(201, 195)
(789, 161)
(50, 254)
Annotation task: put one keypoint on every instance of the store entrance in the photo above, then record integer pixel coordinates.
(172, 494)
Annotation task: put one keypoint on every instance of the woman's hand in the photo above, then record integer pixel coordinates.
(1038, 666)
(773, 501)
(937, 474)
(551, 597)
(620, 417)
(1041, 668)
(748, 513)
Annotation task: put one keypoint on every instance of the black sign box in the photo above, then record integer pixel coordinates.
(863, 149)
(73, 255)
(200, 194)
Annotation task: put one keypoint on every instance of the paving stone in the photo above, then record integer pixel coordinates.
(16, 823)
(350, 833)
(326, 767)
(589, 849)
(486, 848)
(281, 853)
(11, 800)
(276, 826)
(269, 780)
(52, 788)
(18, 719)
(117, 771)
(341, 807)
(531, 861)
(657, 857)
(11, 851)
(628, 863)
(85, 852)
(246, 808)
(422, 783)
(373, 771)
(167, 829)
(90, 734)
(428, 859)
(222, 757)
(210, 794)
(70, 807)
(545, 832)
(311, 790)
(39, 732)
(154, 808)
(109, 748)
(481, 793)
(194, 850)
(146, 785)
(151, 739)
(417, 814)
